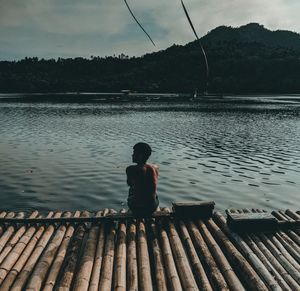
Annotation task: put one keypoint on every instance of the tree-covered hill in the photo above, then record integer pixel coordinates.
(248, 59)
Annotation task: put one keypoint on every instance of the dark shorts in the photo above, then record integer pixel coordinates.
(145, 210)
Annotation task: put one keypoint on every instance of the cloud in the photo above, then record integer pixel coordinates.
(104, 27)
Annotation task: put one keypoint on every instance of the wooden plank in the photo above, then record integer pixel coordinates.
(194, 209)
(251, 222)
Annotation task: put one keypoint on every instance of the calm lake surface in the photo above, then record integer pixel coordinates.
(73, 156)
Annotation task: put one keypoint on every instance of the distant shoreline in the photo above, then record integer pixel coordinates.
(107, 97)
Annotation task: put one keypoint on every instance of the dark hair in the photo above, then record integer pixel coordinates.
(143, 148)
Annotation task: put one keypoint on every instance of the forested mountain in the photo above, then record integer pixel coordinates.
(248, 59)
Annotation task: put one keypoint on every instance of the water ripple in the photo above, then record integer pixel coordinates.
(73, 156)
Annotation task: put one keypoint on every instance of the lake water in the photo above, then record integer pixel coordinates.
(73, 156)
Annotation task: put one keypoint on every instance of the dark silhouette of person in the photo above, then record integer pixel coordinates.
(142, 181)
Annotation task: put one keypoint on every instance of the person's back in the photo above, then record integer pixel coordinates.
(142, 180)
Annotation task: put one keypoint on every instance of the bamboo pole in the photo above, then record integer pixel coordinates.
(292, 214)
(9, 232)
(259, 210)
(214, 273)
(86, 265)
(289, 245)
(108, 259)
(287, 217)
(40, 271)
(230, 211)
(266, 262)
(281, 258)
(185, 273)
(170, 268)
(294, 234)
(197, 268)
(14, 239)
(282, 249)
(279, 216)
(11, 274)
(95, 277)
(145, 282)
(30, 264)
(251, 278)
(2, 214)
(254, 246)
(120, 263)
(159, 269)
(72, 257)
(226, 269)
(59, 258)
(112, 217)
(275, 263)
(16, 251)
(132, 272)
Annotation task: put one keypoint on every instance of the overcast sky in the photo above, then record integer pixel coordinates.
(69, 28)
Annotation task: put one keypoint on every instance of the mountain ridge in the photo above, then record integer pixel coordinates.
(247, 59)
(255, 32)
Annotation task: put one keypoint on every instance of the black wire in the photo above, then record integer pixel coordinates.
(195, 33)
(139, 23)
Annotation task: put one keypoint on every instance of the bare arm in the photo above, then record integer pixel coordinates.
(129, 178)
(153, 180)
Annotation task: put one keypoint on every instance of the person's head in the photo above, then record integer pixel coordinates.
(141, 152)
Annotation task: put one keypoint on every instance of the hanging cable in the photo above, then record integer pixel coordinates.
(195, 33)
(139, 23)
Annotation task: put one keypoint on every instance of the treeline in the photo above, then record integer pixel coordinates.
(250, 59)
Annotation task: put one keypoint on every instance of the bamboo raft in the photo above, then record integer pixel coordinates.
(115, 251)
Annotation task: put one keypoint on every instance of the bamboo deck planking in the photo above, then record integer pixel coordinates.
(161, 253)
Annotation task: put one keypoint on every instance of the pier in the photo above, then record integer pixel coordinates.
(188, 247)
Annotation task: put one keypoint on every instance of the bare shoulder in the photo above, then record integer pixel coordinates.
(153, 168)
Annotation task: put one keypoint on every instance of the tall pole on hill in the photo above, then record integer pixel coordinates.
(202, 49)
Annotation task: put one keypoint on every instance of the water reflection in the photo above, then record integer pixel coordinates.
(73, 156)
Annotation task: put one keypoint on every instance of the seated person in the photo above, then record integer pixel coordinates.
(142, 181)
